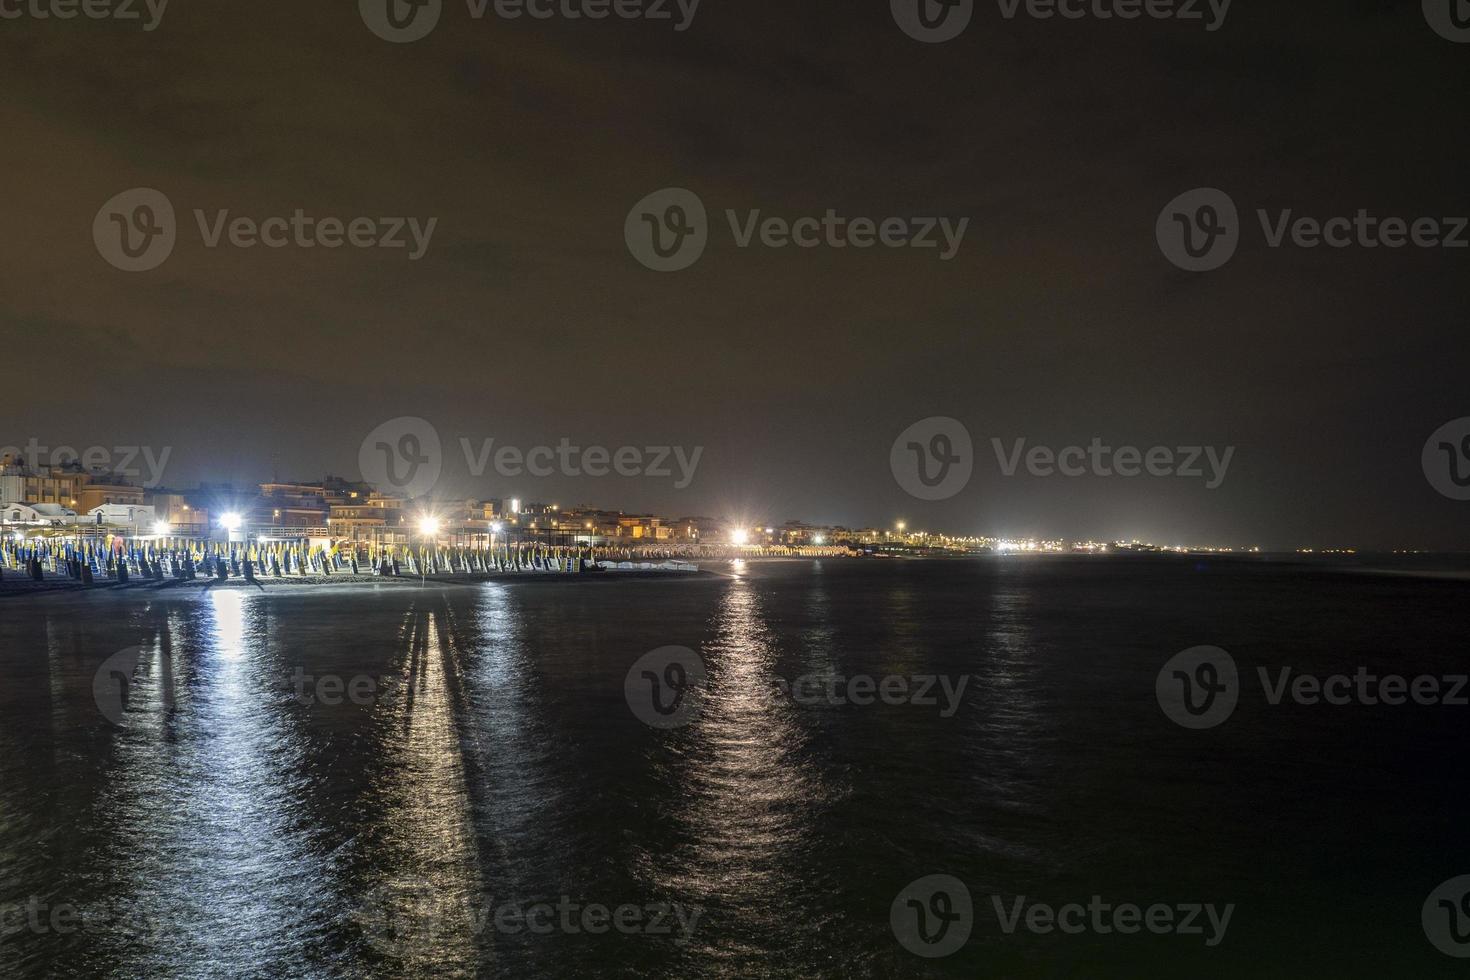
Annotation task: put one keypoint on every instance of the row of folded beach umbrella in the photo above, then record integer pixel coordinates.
(121, 559)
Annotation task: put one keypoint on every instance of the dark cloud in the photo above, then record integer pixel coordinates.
(528, 320)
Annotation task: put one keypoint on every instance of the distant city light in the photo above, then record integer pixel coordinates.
(429, 526)
(740, 537)
(231, 522)
(496, 527)
(819, 539)
(161, 528)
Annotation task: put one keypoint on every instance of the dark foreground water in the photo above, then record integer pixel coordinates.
(453, 783)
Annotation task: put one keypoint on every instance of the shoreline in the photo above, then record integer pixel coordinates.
(13, 586)
(20, 588)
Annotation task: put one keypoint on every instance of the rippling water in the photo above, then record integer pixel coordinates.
(467, 756)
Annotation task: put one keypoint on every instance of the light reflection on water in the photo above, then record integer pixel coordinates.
(423, 881)
(204, 868)
(236, 832)
(746, 799)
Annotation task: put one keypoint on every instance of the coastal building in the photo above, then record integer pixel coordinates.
(38, 514)
(644, 528)
(138, 517)
(100, 489)
(374, 517)
(180, 511)
(691, 530)
(22, 484)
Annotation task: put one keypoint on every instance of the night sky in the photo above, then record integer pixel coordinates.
(528, 320)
